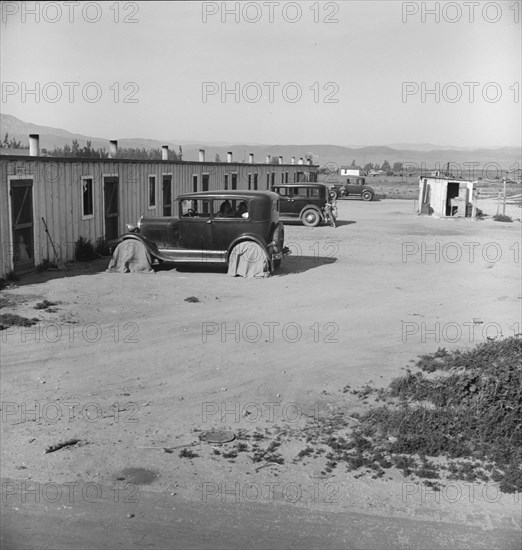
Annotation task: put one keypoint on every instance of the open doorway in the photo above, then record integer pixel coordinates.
(453, 192)
(22, 224)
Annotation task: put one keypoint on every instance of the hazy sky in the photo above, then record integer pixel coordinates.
(347, 73)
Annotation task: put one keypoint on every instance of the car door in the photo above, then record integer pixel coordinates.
(299, 200)
(195, 230)
(353, 189)
(286, 200)
(230, 224)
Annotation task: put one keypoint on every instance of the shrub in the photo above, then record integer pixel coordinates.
(102, 247)
(84, 250)
(502, 218)
(45, 265)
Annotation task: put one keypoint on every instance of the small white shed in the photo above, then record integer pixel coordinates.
(350, 171)
(444, 196)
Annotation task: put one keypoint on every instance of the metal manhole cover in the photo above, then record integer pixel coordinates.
(217, 436)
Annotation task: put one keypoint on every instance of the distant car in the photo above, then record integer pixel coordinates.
(307, 202)
(353, 188)
(210, 224)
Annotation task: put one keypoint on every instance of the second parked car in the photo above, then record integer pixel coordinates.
(307, 202)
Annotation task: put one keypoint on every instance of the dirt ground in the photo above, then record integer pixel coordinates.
(128, 366)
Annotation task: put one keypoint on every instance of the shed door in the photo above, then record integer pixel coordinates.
(22, 224)
(111, 210)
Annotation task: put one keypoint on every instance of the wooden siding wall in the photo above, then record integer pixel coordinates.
(57, 195)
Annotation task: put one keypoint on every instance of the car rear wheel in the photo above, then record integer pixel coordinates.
(311, 217)
(367, 195)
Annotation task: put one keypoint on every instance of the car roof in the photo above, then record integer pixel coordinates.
(229, 194)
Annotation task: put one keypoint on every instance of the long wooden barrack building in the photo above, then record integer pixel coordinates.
(96, 197)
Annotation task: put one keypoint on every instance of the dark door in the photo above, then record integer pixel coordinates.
(167, 195)
(196, 231)
(204, 182)
(111, 208)
(22, 224)
(453, 192)
(286, 200)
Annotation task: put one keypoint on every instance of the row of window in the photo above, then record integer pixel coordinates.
(166, 190)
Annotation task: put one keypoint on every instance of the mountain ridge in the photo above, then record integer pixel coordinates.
(416, 154)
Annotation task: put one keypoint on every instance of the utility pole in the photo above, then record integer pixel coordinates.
(504, 206)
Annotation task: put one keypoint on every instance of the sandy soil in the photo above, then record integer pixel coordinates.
(128, 366)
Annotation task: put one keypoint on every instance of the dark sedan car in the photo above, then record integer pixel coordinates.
(307, 202)
(352, 188)
(210, 224)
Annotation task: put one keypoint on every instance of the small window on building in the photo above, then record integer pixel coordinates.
(87, 199)
(152, 191)
(286, 177)
(249, 182)
(226, 182)
(195, 183)
(268, 180)
(234, 181)
(255, 182)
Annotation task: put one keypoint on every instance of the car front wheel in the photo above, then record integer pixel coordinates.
(367, 195)
(311, 218)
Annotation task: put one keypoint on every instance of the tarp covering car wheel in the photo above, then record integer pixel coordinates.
(131, 256)
(248, 259)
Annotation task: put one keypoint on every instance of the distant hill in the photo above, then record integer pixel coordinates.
(339, 155)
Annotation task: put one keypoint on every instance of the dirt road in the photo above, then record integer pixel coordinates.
(128, 367)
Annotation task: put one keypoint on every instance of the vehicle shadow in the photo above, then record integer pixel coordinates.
(337, 223)
(191, 268)
(292, 265)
